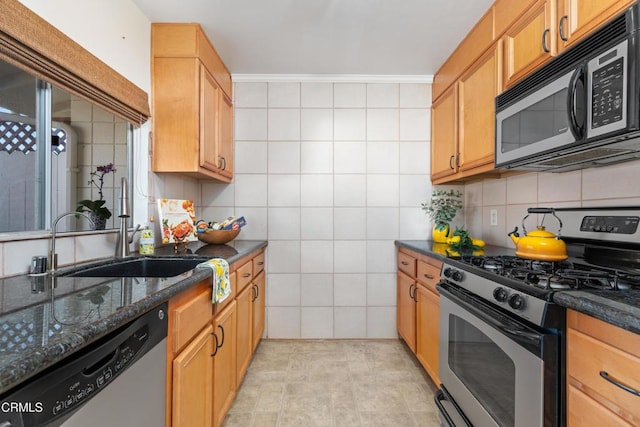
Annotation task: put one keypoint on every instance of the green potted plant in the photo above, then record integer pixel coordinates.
(97, 210)
(442, 208)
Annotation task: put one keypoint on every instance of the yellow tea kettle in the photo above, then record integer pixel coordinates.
(541, 245)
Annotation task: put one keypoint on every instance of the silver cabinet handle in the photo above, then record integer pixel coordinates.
(563, 36)
(606, 376)
(544, 40)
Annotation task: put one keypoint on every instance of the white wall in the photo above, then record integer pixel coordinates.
(615, 185)
(331, 174)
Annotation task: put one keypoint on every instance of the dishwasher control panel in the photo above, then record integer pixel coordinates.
(59, 391)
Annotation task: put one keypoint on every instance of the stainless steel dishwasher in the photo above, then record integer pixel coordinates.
(119, 380)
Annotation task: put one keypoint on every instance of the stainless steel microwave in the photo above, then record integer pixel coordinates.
(581, 109)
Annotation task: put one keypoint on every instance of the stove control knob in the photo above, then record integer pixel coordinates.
(447, 272)
(500, 294)
(516, 302)
(457, 275)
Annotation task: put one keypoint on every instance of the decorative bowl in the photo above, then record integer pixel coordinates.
(218, 237)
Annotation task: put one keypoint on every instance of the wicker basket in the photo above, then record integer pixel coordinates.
(218, 237)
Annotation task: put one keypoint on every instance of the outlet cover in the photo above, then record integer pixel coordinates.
(494, 216)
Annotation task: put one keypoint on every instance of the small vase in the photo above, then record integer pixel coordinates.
(99, 222)
(440, 234)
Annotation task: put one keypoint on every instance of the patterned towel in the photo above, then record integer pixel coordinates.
(220, 279)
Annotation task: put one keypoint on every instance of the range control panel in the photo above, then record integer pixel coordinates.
(610, 224)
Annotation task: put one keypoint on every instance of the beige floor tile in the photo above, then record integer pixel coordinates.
(334, 383)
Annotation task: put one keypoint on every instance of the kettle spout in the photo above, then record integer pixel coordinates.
(515, 237)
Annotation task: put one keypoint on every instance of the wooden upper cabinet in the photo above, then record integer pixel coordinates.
(577, 18)
(444, 134)
(476, 92)
(546, 28)
(191, 103)
(530, 41)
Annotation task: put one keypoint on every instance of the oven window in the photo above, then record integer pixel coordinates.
(538, 122)
(487, 372)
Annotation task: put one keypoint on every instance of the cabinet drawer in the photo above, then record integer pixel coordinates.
(258, 263)
(244, 274)
(407, 263)
(584, 411)
(428, 275)
(189, 318)
(588, 359)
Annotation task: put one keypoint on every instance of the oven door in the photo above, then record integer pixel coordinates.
(498, 371)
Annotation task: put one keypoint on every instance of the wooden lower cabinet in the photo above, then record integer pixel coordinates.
(210, 346)
(244, 343)
(602, 360)
(258, 308)
(427, 331)
(407, 310)
(418, 307)
(224, 362)
(192, 385)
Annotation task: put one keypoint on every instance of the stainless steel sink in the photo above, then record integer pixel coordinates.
(138, 267)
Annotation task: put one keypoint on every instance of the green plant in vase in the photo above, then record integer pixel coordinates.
(442, 208)
(97, 210)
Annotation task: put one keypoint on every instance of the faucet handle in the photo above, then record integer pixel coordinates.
(133, 233)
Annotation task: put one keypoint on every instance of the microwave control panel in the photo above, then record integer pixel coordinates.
(607, 93)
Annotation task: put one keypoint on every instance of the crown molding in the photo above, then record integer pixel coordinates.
(331, 78)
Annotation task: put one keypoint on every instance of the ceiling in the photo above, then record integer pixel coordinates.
(334, 37)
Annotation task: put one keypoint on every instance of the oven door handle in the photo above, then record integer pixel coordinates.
(442, 395)
(529, 339)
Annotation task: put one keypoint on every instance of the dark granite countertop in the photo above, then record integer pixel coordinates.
(44, 319)
(620, 308)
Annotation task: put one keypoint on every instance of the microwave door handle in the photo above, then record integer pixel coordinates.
(577, 128)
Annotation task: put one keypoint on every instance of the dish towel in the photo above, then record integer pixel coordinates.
(220, 280)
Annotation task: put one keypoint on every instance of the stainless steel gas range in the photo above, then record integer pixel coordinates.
(501, 335)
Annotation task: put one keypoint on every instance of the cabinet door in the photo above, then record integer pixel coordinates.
(444, 134)
(225, 136)
(209, 92)
(478, 88)
(192, 385)
(427, 332)
(244, 327)
(407, 310)
(530, 41)
(224, 362)
(577, 18)
(259, 285)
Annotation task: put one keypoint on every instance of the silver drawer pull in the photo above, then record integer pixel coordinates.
(617, 383)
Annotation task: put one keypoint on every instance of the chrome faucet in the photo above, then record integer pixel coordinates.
(53, 256)
(123, 242)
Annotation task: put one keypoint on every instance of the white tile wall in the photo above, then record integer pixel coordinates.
(334, 173)
(511, 196)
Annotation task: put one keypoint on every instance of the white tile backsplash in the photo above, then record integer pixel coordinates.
(415, 125)
(284, 190)
(349, 290)
(248, 95)
(283, 124)
(316, 157)
(380, 322)
(250, 124)
(415, 95)
(283, 322)
(349, 256)
(250, 157)
(415, 157)
(350, 124)
(350, 190)
(317, 322)
(350, 223)
(383, 124)
(349, 95)
(317, 95)
(383, 190)
(316, 223)
(316, 256)
(317, 290)
(284, 290)
(383, 95)
(350, 322)
(383, 223)
(316, 124)
(316, 190)
(283, 95)
(350, 157)
(381, 289)
(383, 157)
(284, 157)
(284, 223)
(250, 190)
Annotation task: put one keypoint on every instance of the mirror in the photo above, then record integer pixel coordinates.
(83, 158)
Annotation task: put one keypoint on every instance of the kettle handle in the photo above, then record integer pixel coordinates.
(544, 211)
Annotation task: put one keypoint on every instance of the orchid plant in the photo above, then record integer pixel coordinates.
(97, 206)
